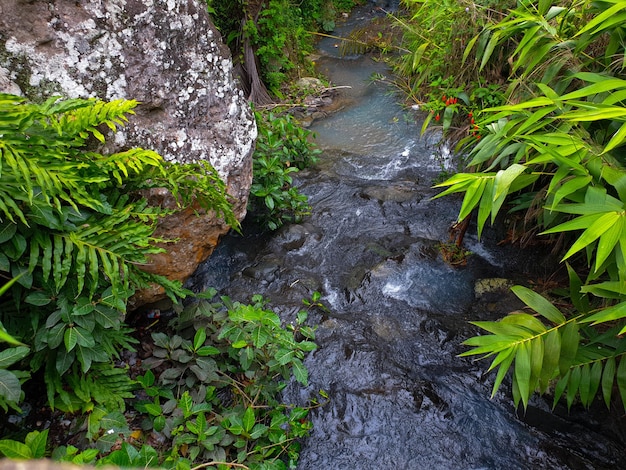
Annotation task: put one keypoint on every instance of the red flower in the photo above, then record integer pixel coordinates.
(444, 98)
(472, 121)
(437, 117)
(470, 114)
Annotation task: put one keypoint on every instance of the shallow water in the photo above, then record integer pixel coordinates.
(400, 397)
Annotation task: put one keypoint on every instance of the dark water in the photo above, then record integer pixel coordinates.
(401, 398)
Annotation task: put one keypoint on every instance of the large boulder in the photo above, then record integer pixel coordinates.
(164, 53)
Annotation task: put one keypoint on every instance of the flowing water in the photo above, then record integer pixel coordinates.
(400, 397)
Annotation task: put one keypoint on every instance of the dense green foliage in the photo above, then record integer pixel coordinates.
(282, 148)
(553, 155)
(431, 71)
(74, 232)
(209, 391)
(277, 31)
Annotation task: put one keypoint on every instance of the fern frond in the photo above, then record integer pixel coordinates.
(80, 118)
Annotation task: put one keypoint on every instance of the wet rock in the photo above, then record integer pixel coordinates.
(169, 57)
(397, 192)
(265, 270)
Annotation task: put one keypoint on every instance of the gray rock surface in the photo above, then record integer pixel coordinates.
(164, 53)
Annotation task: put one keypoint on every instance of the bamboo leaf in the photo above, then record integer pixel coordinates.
(597, 228)
(608, 240)
(569, 187)
(599, 21)
(595, 379)
(485, 207)
(617, 140)
(505, 365)
(560, 387)
(491, 45)
(615, 312)
(573, 385)
(526, 321)
(621, 380)
(523, 371)
(608, 376)
(536, 361)
(539, 304)
(472, 197)
(551, 355)
(585, 385)
(570, 339)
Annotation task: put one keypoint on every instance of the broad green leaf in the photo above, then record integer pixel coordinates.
(83, 337)
(7, 230)
(560, 387)
(70, 338)
(207, 351)
(38, 298)
(10, 388)
(55, 335)
(186, 404)
(485, 207)
(248, 420)
(597, 114)
(10, 356)
(610, 84)
(491, 45)
(504, 329)
(37, 441)
(199, 339)
(284, 356)
(259, 336)
(608, 289)
(300, 372)
(15, 450)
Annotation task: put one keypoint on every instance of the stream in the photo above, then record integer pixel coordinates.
(400, 397)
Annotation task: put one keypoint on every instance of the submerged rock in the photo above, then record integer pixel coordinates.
(167, 55)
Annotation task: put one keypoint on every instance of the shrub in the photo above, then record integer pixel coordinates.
(283, 148)
(75, 229)
(556, 152)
